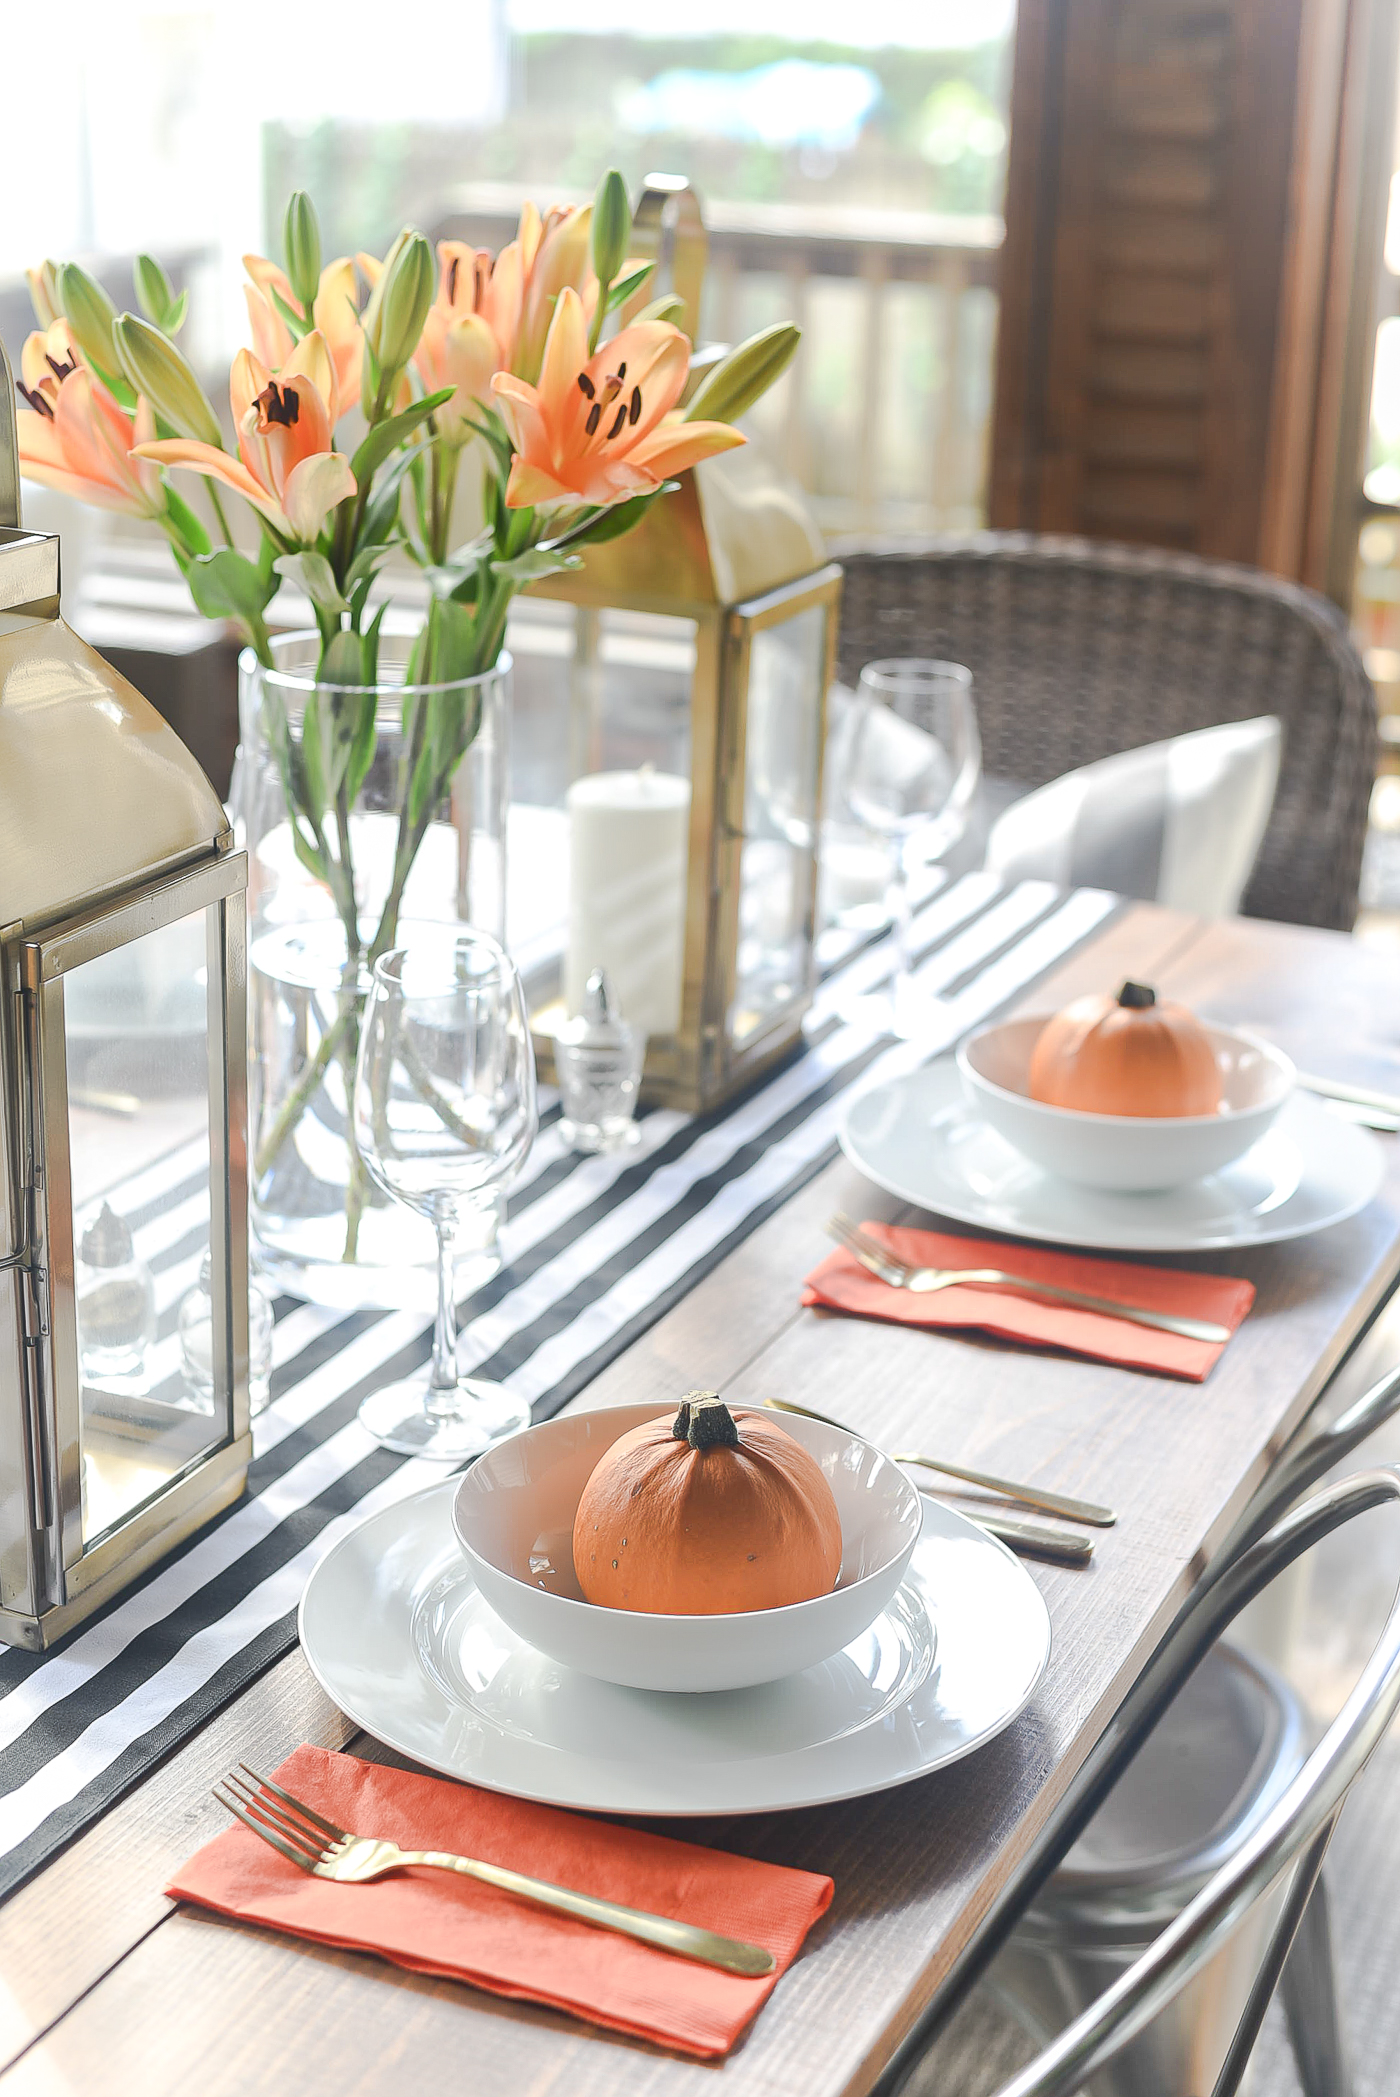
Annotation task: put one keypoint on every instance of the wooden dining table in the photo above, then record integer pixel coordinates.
(107, 1986)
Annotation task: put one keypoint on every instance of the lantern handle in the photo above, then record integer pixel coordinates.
(9, 446)
(668, 204)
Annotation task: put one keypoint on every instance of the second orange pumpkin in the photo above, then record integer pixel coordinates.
(1126, 1055)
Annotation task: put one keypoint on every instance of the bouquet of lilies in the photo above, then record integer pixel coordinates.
(365, 383)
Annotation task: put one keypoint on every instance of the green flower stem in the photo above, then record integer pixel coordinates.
(218, 510)
(305, 1088)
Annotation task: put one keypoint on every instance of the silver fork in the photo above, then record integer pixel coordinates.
(921, 1281)
(324, 1851)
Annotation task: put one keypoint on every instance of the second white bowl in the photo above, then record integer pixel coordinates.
(514, 1517)
(1124, 1153)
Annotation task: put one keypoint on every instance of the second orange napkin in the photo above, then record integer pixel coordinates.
(842, 1284)
(436, 1923)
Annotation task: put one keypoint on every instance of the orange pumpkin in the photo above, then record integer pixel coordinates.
(1126, 1055)
(705, 1514)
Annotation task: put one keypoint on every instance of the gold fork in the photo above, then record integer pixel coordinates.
(324, 1851)
(925, 1280)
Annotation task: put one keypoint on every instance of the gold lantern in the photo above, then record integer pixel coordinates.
(122, 1107)
(700, 652)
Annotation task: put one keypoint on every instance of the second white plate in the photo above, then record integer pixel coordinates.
(921, 1140)
(396, 1632)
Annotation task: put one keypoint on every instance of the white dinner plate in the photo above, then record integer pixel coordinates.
(397, 1634)
(919, 1138)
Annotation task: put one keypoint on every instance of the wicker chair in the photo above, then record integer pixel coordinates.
(1080, 650)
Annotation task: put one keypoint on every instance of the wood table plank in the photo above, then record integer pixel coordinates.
(240, 2009)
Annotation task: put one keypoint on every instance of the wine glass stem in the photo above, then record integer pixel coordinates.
(901, 916)
(442, 1384)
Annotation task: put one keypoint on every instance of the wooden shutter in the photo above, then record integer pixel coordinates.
(1188, 225)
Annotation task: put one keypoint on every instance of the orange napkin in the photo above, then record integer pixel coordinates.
(842, 1284)
(435, 1923)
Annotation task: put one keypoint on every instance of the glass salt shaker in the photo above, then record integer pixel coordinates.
(598, 1060)
(196, 1325)
(116, 1295)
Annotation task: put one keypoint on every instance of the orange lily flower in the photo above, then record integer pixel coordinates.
(335, 313)
(458, 346)
(285, 465)
(74, 437)
(552, 255)
(599, 429)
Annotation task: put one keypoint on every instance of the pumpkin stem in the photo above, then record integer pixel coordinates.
(703, 1420)
(1137, 996)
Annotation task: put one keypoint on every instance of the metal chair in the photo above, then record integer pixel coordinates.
(1268, 1881)
(1080, 650)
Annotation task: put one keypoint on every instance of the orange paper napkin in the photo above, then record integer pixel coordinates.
(435, 1923)
(842, 1284)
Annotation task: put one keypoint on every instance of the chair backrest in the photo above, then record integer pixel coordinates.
(1079, 650)
(1294, 1835)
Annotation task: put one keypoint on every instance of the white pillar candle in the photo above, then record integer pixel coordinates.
(628, 847)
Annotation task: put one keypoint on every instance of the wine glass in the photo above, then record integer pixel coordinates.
(444, 1114)
(913, 760)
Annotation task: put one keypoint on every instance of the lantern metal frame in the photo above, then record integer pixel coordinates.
(734, 551)
(91, 897)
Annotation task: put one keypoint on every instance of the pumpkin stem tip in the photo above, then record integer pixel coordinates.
(1137, 996)
(709, 1424)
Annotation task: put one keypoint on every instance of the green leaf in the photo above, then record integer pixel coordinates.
(365, 566)
(342, 660)
(316, 576)
(315, 796)
(497, 437)
(365, 738)
(293, 319)
(388, 435)
(530, 566)
(372, 645)
(421, 785)
(185, 521)
(226, 585)
(623, 289)
(612, 523)
(175, 315)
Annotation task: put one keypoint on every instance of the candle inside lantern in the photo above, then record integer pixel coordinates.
(628, 843)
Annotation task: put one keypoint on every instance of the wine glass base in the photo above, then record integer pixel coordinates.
(905, 1011)
(398, 1419)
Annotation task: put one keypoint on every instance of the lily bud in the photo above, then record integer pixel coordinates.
(155, 368)
(742, 377)
(89, 313)
(43, 294)
(153, 289)
(301, 240)
(400, 302)
(611, 229)
(670, 306)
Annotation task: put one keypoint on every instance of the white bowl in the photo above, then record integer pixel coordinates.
(1123, 1153)
(514, 1518)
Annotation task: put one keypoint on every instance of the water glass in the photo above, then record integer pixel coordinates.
(444, 1117)
(912, 764)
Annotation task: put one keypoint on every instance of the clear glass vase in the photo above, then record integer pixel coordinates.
(421, 839)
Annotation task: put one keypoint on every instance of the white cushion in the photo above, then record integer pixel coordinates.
(1178, 822)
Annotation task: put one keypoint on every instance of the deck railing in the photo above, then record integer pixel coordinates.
(884, 416)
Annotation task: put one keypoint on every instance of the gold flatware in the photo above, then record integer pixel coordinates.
(322, 1850)
(1378, 1110)
(1038, 1497)
(1032, 1539)
(922, 1281)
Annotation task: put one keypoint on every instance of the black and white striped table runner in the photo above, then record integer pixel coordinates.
(596, 1249)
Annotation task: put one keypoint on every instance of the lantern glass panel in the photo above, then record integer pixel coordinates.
(136, 1029)
(781, 770)
(599, 829)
